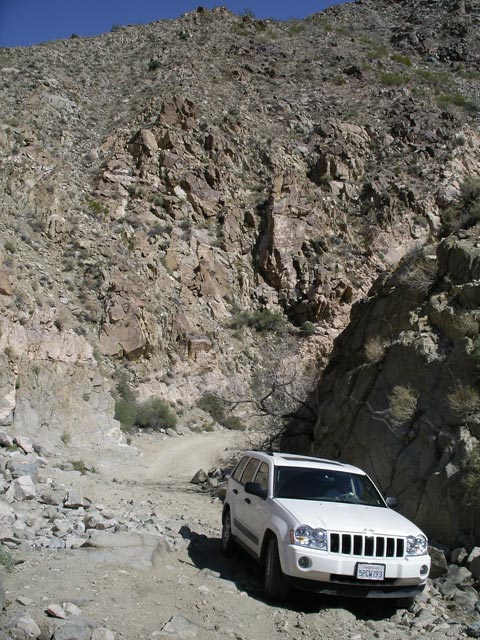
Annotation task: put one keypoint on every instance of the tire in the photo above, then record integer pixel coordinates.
(228, 545)
(275, 585)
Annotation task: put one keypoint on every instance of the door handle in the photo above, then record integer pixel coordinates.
(247, 500)
(235, 491)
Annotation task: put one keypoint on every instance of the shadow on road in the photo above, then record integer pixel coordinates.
(247, 575)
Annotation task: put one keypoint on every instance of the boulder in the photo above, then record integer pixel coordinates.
(23, 627)
(473, 630)
(447, 588)
(200, 477)
(474, 567)
(77, 628)
(22, 488)
(466, 599)
(24, 443)
(474, 553)
(459, 555)
(24, 466)
(75, 500)
(5, 439)
(439, 566)
(459, 575)
(56, 611)
(126, 329)
(7, 519)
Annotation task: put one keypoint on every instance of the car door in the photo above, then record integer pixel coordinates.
(256, 509)
(241, 524)
(233, 498)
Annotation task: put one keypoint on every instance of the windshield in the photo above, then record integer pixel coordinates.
(325, 485)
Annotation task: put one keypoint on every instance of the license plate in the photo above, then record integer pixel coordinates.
(370, 571)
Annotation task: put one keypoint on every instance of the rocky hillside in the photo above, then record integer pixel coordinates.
(190, 208)
(401, 396)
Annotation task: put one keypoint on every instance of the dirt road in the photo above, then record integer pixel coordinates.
(153, 567)
(180, 458)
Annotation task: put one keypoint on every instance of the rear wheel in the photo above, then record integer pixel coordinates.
(228, 545)
(276, 585)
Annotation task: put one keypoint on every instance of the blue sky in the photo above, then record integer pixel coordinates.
(26, 22)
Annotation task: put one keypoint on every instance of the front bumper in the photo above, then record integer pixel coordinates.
(334, 573)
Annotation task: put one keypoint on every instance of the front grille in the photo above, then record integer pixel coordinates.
(367, 546)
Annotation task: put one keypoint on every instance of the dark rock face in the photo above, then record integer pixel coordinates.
(400, 396)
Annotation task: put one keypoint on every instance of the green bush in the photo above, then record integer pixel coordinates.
(96, 207)
(465, 212)
(214, 405)
(394, 79)
(124, 389)
(126, 413)
(264, 320)
(294, 29)
(405, 60)
(308, 329)
(438, 80)
(458, 100)
(153, 65)
(233, 423)
(378, 51)
(155, 413)
(218, 408)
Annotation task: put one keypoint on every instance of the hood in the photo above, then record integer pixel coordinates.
(352, 518)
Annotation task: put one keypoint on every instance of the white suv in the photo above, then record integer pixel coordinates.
(323, 526)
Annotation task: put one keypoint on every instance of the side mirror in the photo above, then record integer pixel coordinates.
(392, 502)
(255, 489)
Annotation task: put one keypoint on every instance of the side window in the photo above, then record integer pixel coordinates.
(262, 476)
(239, 468)
(249, 472)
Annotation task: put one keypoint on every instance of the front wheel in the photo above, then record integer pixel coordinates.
(228, 545)
(276, 585)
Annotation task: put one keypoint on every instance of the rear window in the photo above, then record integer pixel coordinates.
(249, 472)
(237, 472)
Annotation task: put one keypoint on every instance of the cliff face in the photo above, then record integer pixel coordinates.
(194, 205)
(400, 396)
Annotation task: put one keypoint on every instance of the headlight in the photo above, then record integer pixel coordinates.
(416, 545)
(305, 536)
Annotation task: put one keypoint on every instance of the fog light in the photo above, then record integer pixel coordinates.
(423, 570)
(304, 562)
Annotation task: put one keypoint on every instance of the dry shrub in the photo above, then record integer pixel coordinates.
(375, 349)
(471, 479)
(464, 401)
(466, 324)
(403, 403)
